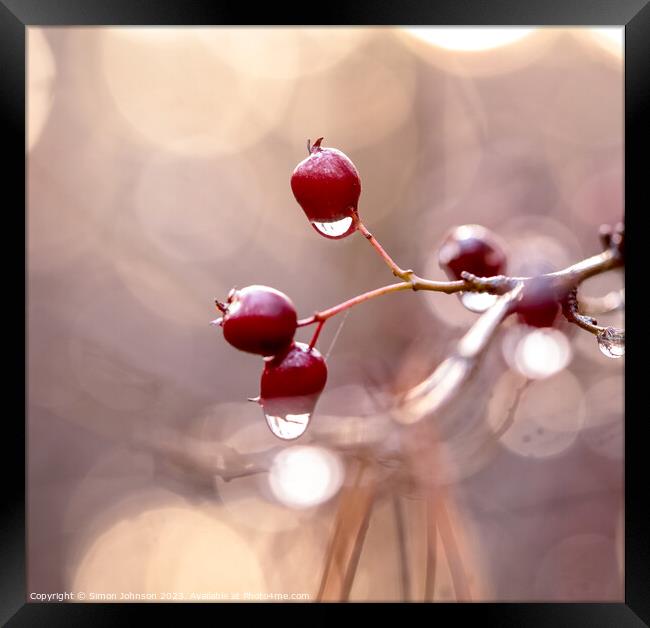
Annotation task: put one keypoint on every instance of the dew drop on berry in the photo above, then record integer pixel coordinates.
(611, 342)
(334, 229)
(478, 302)
(288, 426)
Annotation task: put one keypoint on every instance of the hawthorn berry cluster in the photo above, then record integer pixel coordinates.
(263, 321)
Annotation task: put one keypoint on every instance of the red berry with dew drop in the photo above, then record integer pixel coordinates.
(293, 380)
(258, 319)
(474, 249)
(327, 186)
(290, 387)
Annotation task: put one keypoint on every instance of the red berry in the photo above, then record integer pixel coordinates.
(327, 186)
(474, 249)
(292, 381)
(258, 319)
(539, 303)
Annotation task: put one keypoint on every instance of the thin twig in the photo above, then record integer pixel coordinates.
(208, 460)
(405, 275)
(512, 410)
(336, 336)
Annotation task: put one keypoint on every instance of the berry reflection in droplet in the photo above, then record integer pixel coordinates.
(287, 426)
(336, 229)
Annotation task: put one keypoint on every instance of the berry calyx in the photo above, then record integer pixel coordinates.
(327, 186)
(292, 381)
(258, 319)
(539, 303)
(474, 249)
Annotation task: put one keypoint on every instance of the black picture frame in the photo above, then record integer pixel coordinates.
(17, 15)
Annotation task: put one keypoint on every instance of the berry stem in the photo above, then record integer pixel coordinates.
(314, 338)
(475, 284)
(405, 275)
(366, 296)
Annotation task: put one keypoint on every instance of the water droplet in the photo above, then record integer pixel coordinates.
(335, 229)
(611, 342)
(289, 426)
(478, 301)
(289, 417)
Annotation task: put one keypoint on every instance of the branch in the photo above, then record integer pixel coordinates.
(444, 383)
(573, 276)
(572, 314)
(562, 281)
(510, 414)
(405, 275)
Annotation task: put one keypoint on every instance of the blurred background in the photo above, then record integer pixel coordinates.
(158, 178)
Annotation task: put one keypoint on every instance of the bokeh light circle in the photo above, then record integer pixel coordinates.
(469, 39)
(175, 93)
(305, 476)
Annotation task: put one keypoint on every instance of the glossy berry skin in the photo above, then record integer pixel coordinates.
(293, 380)
(258, 319)
(327, 187)
(538, 305)
(474, 249)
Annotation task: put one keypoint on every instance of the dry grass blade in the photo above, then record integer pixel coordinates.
(452, 550)
(405, 578)
(432, 550)
(350, 526)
